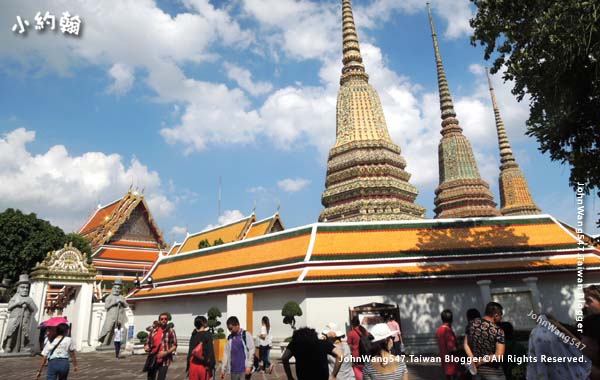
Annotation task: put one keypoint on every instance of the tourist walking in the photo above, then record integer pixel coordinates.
(238, 357)
(201, 356)
(383, 365)
(57, 351)
(119, 338)
(160, 345)
(310, 353)
(446, 340)
(485, 342)
(354, 340)
(346, 372)
(265, 340)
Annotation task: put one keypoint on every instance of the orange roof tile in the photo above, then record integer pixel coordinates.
(228, 233)
(99, 217)
(401, 249)
(228, 258)
(422, 237)
(258, 229)
(124, 254)
(132, 243)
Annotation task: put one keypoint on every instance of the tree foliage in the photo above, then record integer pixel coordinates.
(290, 311)
(551, 51)
(25, 240)
(213, 322)
(203, 244)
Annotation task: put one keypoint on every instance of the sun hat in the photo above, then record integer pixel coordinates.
(381, 331)
(331, 327)
(55, 321)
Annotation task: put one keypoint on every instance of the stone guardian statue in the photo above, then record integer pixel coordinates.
(115, 306)
(21, 308)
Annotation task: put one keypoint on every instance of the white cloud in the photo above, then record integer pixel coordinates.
(215, 115)
(303, 28)
(65, 189)
(123, 76)
(227, 217)
(179, 230)
(293, 185)
(243, 78)
(455, 13)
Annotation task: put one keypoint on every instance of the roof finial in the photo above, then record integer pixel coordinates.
(449, 121)
(353, 66)
(506, 154)
(278, 206)
(254, 207)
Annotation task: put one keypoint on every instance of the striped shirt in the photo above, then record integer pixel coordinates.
(369, 372)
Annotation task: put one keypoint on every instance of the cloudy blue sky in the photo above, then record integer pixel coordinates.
(170, 95)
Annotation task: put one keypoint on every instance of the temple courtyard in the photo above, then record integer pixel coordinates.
(104, 366)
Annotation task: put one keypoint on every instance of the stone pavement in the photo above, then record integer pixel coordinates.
(104, 366)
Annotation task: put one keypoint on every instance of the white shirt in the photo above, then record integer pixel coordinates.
(62, 351)
(119, 334)
(268, 337)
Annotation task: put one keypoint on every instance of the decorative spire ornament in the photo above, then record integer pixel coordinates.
(515, 197)
(365, 179)
(462, 193)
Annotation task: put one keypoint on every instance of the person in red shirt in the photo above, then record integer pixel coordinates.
(161, 342)
(353, 341)
(446, 341)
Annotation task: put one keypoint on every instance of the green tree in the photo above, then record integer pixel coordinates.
(24, 241)
(203, 244)
(213, 314)
(551, 51)
(290, 311)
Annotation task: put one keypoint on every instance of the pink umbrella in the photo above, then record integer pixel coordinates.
(55, 321)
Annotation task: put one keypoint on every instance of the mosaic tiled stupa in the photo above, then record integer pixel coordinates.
(366, 179)
(462, 193)
(515, 198)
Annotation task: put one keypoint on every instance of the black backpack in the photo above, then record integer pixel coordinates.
(364, 344)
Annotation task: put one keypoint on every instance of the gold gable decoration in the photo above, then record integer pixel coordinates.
(67, 264)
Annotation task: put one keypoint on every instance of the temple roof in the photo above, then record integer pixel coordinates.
(373, 251)
(265, 226)
(227, 233)
(106, 222)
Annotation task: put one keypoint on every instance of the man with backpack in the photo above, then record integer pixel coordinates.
(359, 340)
(238, 357)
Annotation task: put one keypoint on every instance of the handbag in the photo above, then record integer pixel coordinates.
(198, 354)
(151, 363)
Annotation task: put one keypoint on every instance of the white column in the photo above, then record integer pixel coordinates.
(84, 313)
(535, 294)
(486, 292)
(98, 315)
(3, 320)
(236, 306)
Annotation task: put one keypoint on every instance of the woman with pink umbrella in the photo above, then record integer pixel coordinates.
(56, 352)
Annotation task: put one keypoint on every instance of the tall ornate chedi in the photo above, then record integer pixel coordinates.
(515, 198)
(366, 179)
(461, 193)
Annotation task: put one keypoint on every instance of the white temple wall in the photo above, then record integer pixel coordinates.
(420, 304)
(270, 302)
(183, 311)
